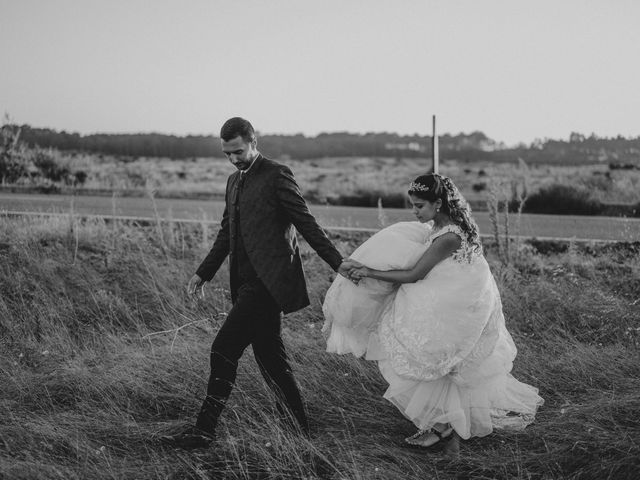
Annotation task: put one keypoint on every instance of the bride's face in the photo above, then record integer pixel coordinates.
(424, 210)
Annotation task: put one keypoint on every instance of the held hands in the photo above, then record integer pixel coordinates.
(353, 270)
(195, 286)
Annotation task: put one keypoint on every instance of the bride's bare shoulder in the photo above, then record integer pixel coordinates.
(449, 240)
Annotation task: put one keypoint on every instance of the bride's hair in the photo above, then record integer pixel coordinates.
(435, 186)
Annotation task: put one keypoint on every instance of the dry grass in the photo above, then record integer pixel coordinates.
(87, 384)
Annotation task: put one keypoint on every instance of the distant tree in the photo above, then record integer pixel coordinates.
(474, 146)
(13, 163)
(576, 137)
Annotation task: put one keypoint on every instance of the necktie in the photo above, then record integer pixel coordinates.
(236, 197)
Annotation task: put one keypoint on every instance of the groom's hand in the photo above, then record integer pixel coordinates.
(358, 273)
(346, 268)
(196, 284)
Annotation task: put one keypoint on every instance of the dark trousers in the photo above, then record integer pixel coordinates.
(253, 320)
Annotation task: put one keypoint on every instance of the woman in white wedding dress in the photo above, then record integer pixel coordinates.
(426, 308)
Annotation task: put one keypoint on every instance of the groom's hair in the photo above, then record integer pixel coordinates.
(237, 126)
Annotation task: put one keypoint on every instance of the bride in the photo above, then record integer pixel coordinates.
(426, 308)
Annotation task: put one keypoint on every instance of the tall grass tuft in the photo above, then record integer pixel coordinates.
(500, 201)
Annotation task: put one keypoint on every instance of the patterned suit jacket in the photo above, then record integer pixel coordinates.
(270, 206)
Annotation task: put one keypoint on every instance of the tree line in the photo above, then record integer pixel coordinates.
(578, 149)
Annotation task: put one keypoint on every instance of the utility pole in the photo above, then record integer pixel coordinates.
(434, 148)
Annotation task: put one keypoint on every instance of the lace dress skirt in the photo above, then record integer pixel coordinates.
(440, 343)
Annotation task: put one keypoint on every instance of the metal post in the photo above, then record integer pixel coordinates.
(434, 147)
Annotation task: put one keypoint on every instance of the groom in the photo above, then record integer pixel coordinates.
(263, 205)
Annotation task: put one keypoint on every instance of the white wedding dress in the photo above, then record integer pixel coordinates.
(440, 343)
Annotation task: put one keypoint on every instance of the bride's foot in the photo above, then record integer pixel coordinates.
(452, 447)
(429, 438)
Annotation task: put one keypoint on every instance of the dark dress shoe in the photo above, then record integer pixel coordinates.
(190, 439)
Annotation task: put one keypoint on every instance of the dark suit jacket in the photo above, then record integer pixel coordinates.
(270, 206)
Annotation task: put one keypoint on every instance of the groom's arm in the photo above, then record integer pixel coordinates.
(291, 200)
(219, 251)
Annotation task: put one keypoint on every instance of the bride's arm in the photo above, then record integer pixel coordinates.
(441, 248)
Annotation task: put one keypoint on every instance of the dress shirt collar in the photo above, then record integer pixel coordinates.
(242, 172)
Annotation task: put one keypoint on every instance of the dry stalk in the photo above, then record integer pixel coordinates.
(175, 331)
(522, 195)
(205, 231)
(493, 206)
(507, 239)
(73, 231)
(383, 221)
(158, 219)
(114, 235)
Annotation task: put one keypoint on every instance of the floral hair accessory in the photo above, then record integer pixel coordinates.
(418, 187)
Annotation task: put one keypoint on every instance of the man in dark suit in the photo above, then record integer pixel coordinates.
(263, 205)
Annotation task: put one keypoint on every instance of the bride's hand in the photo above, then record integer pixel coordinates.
(358, 273)
(346, 266)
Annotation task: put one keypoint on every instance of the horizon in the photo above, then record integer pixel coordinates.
(265, 134)
(516, 72)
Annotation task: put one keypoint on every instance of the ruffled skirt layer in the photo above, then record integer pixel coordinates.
(494, 400)
(440, 343)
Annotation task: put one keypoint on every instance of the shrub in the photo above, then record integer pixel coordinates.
(562, 199)
(622, 166)
(621, 210)
(370, 199)
(49, 167)
(80, 177)
(479, 187)
(13, 164)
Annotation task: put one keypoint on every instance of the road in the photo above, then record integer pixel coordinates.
(542, 226)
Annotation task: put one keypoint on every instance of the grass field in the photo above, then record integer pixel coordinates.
(341, 217)
(329, 178)
(102, 351)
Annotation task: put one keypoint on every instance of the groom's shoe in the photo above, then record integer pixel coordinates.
(189, 439)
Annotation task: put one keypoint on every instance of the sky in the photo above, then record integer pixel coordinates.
(515, 69)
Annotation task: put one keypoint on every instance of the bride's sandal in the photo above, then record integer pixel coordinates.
(418, 434)
(422, 438)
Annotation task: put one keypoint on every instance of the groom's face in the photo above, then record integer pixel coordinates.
(240, 152)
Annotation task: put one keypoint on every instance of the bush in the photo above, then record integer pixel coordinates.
(49, 167)
(80, 177)
(563, 200)
(13, 165)
(621, 210)
(479, 187)
(11, 168)
(370, 199)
